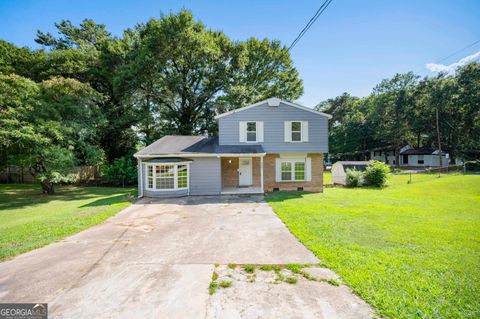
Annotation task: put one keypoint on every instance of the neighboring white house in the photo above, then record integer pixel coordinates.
(411, 157)
(339, 170)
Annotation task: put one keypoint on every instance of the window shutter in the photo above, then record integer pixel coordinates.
(260, 132)
(308, 169)
(278, 170)
(242, 131)
(305, 131)
(288, 131)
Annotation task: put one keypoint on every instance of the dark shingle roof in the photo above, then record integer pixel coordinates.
(184, 145)
(419, 151)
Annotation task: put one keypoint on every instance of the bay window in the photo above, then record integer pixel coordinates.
(166, 176)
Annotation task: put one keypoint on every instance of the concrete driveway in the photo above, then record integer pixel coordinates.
(156, 258)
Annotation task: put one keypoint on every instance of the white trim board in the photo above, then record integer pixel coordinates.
(200, 155)
(273, 101)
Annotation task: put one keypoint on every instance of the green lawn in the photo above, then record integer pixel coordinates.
(410, 250)
(327, 177)
(29, 220)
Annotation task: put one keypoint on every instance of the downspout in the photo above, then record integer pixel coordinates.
(140, 180)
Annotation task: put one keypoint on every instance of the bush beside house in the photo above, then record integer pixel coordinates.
(375, 175)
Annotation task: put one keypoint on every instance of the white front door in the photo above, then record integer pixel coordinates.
(245, 171)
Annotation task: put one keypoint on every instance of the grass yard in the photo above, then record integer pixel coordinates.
(29, 220)
(327, 177)
(410, 250)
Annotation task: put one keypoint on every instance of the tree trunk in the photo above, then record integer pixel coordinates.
(397, 156)
(47, 188)
(438, 141)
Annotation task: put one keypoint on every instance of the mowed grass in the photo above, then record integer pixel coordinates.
(29, 219)
(327, 177)
(410, 250)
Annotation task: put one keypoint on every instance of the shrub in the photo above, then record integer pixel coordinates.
(354, 178)
(376, 174)
(121, 172)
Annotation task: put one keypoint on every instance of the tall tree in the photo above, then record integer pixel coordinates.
(48, 127)
(264, 70)
(393, 102)
(180, 73)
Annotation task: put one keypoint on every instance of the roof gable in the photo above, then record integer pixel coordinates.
(274, 102)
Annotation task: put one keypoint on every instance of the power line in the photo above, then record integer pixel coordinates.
(317, 14)
(456, 52)
(453, 54)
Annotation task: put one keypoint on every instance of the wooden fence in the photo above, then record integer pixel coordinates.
(17, 174)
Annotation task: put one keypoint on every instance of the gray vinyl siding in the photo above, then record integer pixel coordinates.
(205, 176)
(205, 179)
(273, 126)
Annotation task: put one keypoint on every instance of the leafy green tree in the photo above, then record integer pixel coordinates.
(91, 55)
(265, 70)
(393, 104)
(89, 33)
(21, 61)
(180, 72)
(48, 127)
(122, 171)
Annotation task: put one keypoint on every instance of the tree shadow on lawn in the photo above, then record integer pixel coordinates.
(109, 201)
(24, 195)
(281, 196)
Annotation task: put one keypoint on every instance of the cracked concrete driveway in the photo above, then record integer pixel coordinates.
(156, 258)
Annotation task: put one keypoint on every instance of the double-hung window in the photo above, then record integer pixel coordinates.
(166, 177)
(251, 131)
(293, 170)
(296, 131)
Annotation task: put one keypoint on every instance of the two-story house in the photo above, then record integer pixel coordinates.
(268, 146)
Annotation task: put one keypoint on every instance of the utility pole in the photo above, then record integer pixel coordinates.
(438, 141)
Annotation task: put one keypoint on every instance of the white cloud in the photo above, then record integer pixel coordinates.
(452, 67)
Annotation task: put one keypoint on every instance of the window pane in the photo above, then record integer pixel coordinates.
(149, 176)
(165, 183)
(182, 173)
(251, 136)
(165, 176)
(286, 171)
(296, 136)
(296, 126)
(251, 126)
(299, 171)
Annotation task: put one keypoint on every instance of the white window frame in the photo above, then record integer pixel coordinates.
(292, 172)
(288, 132)
(175, 176)
(292, 131)
(247, 131)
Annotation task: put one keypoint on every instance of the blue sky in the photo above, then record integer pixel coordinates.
(350, 48)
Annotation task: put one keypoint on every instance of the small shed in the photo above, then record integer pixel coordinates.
(339, 170)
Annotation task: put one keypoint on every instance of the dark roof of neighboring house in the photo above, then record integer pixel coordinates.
(419, 151)
(178, 144)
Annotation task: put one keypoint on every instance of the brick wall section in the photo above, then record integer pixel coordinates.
(256, 171)
(230, 172)
(315, 185)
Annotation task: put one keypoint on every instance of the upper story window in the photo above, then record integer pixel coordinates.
(251, 131)
(296, 131)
